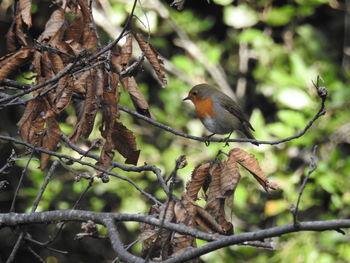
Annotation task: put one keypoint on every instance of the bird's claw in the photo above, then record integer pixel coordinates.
(207, 141)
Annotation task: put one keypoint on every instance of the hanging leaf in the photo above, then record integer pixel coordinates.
(185, 213)
(126, 52)
(214, 192)
(91, 104)
(89, 36)
(153, 57)
(12, 61)
(249, 162)
(125, 143)
(199, 175)
(53, 25)
(25, 7)
(139, 101)
(229, 177)
(50, 140)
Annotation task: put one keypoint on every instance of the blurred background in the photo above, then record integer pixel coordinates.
(266, 55)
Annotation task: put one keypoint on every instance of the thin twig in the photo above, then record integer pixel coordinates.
(312, 168)
(12, 256)
(24, 171)
(126, 168)
(98, 168)
(36, 255)
(38, 197)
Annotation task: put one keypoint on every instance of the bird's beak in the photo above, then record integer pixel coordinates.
(187, 98)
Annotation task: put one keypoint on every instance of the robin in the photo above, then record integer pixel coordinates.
(218, 112)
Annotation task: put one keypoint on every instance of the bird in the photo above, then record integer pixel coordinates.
(218, 112)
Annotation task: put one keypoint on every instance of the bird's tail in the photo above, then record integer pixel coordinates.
(248, 133)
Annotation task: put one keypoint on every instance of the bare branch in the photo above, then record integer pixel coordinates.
(98, 168)
(218, 241)
(312, 168)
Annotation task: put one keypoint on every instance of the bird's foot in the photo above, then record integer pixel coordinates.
(207, 141)
(226, 140)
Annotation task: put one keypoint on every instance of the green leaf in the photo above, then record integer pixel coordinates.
(279, 16)
(241, 16)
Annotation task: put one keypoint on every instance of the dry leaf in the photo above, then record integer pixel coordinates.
(31, 124)
(53, 25)
(149, 232)
(139, 101)
(50, 140)
(91, 104)
(153, 57)
(12, 61)
(230, 177)
(125, 143)
(126, 52)
(25, 7)
(199, 175)
(249, 162)
(215, 196)
(185, 213)
(89, 36)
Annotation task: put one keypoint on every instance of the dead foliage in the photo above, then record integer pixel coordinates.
(70, 40)
(218, 181)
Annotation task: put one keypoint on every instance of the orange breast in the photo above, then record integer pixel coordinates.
(204, 107)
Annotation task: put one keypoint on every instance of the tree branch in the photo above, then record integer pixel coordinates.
(218, 241)
(98, 168)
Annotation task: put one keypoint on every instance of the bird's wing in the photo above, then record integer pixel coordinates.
(234, 109)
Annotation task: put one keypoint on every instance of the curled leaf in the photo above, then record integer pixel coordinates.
(199, 175)
(14, 60)
(25, 7)
(153, 57)
(249, 162)
(136, 96)
(50, 140)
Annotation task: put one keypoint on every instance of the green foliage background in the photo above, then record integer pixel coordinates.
(290, 44)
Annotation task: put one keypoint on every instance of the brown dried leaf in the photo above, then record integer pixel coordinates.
(61, 97)
(207, 221)
(116, 59)
(249, 162)
(149, 232)
(136, 96)
(229, 177)
(74, 30)
(31, 125)
(126, 52)
(50, 140)
(11, 38)
(215, 196)
(91, 104)
(53, 25)
(64, 94)
(199, 175)
(153, 57)
(110, 101)
(125, 143)
(89, 35)
(12, 61)
(25, 7)
(21, 36)
(185, 212)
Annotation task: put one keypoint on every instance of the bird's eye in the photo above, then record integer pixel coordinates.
(194, 93)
